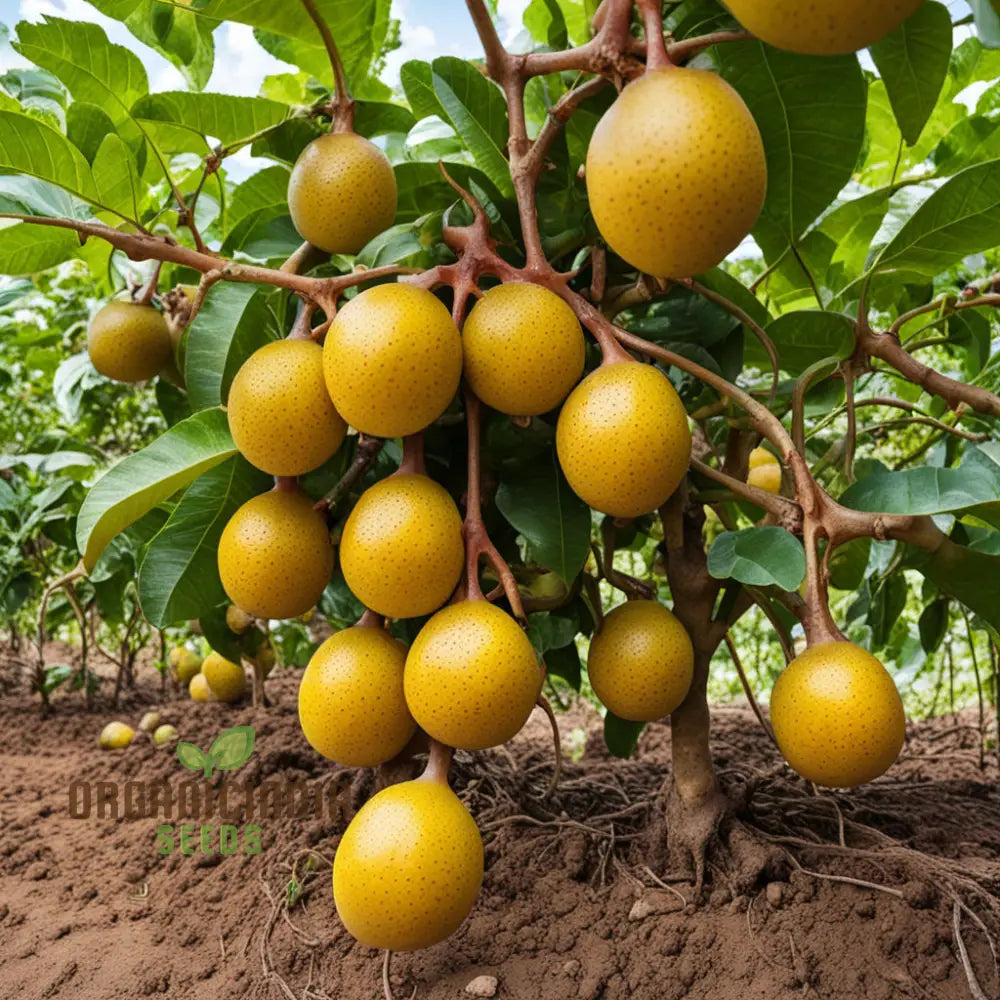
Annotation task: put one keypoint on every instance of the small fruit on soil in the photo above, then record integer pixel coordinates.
(676, 172)
(401, 549)
(225, 679)
(184, 662)
(149, 722)
(342, 193)
(765, 470)
(472, 676)
(524, 349)
(825, 27)
(623, 439)
(279, 411)
(275, 556)
(116, 736)
(351, 703)
(199, 690)
(392, 360)
(837, 715)
(409, 867)
(163, 735)
(641, 661)
(129, 342)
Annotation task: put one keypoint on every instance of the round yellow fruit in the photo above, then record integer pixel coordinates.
(342, 193)
(280, 414)
(761, 456)
(129, 342)
(184, 662)
(623, 439)
(401, 549)
(199, 690)
(641, 661)
(115, 736)
(676, 172)
(472, 676)
(408, 868)
(392, 360)
(823, 27)
(275, 556)
(351, 703)
(523, 349)
(225, 679)
(164, 734)
(837, 715)
(766, 477)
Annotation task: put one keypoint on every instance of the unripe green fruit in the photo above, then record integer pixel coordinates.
(164, 734)
(623, 439)
(523, 349)
(472, 676)
(342, 193)
(280, 414)
(129, 342)
(275, 556)
(837, 715)
(199, 690)
(408, 868)
(676, 172)
(401, 550)
(116, 736)
(392, 360)
(351, 704)
(225, 679)
(184, 662)
(641, 662)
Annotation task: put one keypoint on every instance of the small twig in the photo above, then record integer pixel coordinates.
(956, 922)
(366, 453)
(747, 690)
(544, 704)
(386, 985)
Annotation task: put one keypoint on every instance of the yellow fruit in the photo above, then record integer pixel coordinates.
(823, 27)
(676, 172)
(225, 679)
(623, 439)
(409, 867)
(641, 661)
(129, 342)
(275, 556)
(523, 348)
(199, 689)
(184, 662)
(837, 715)
(149, 722)
(164, 734)
(115, 736)
(766, 477)
(761, 456)
(472, 677)
(237, 620)
(265, 659)
(351, 704)
(401, 550)
(392, 360)
(342, 193)
(279, 411)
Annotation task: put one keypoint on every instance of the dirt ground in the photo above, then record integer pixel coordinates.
(578, 901)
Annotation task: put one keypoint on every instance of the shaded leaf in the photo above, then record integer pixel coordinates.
(222, 117)
(759, 557)
(621, 736)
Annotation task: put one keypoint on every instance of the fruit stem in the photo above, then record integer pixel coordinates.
(656, 49)
(342, 107)
(149, 289)
(413, 455)
(286, 484)
(302, 327)
(438, 763)
(370, 619)
(817, 621)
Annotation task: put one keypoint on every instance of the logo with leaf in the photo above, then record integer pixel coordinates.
(231, 749)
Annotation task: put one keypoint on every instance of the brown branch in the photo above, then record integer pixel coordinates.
(342, 107)
(366, 453)
(679, 52)
(786, 511)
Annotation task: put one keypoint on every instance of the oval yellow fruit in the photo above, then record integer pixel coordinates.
(676, 172)
(184, 662)
(275, 556)
(351, 704)
(280, 414)
(837, 715)
(472, 676)
(116, 736)
(761, 456)
(164, 734)
(129, 342)
(401, 549)
(199, 690)
(342, 193)
(524, 349)
(824, 27)
(226, 680)
(623, 439)
(392, 360)
(641, 661)
(766, 477)
(408, 868)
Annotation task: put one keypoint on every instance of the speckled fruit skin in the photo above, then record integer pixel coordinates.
(401, 549)
(115, 736)
(641, 661)
(275, 557)
(342, 193)
(766, 477)
(280, 414)
(837, 715)
(225, 679)
(184, 662)
(524, 349)
(821, 27)
(676, 172)
(408, 868)
(623, 439)
(472, 676)
(392, 360)
(351, 704)
(129, 342)
(199, 690)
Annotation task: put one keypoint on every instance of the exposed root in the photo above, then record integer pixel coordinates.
(386, 985)
(974, 988)
(546, 707)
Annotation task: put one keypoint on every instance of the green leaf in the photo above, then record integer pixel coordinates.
(219, 636)
(86, 127)
(146, 478)
(193, 758)
(621, 736)
(933, 625)
(923, 491)
(179, 575)
(422, 189)
(564, 662)
(222, 117)
(970, 576)
(888, 601)
(232, 748)
(759, 557)
(55, 676)
(260, 192)
(806, 336)
(972, 140)
(118, 185)
(26, 249)
(913, 63)
(373, 118)
(848, 564)
(544, 19)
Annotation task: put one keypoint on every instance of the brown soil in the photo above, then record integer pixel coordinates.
(576, 903)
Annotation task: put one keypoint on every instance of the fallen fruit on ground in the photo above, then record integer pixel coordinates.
(149, 722)
(164, 734)
(184, 662)
(129, 342)
(199, 690)
(225, 679)
(116, 736)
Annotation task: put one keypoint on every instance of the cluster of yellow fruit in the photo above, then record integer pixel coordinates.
(214, 679)
(118, 735)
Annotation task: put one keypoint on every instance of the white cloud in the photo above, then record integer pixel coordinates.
(510, 13)
(236, 47)
(418, 42)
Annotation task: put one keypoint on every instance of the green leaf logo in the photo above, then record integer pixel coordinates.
(231, 749)
(193, 758)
